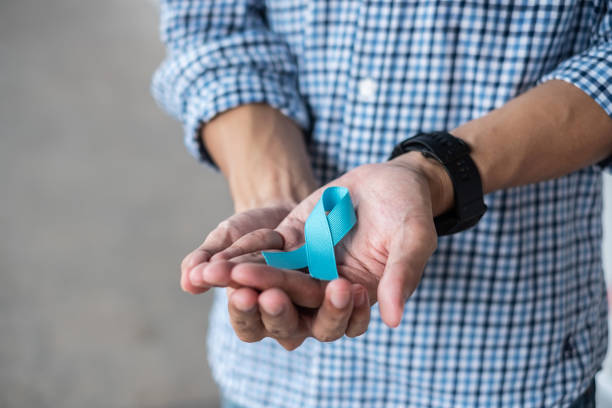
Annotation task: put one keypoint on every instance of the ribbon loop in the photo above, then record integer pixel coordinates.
(331, 219)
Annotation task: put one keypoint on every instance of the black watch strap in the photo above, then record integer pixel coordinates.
(454, 154)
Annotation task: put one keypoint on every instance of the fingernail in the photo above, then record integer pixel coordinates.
(274, 310)
(340, 298)
(244, 307)
(208, 275)
(195, 277)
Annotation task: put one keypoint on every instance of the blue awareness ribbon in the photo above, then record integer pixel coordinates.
(330, 220)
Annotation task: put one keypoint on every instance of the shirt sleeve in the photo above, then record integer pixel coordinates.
(221, 54)
(591, 70)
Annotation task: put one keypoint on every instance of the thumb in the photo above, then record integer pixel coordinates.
(291, 229)
(409, 252)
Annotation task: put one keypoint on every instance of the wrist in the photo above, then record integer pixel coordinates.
(272, 188)
(473, 133)
(271, 180)
(262, 154)
(440, 184)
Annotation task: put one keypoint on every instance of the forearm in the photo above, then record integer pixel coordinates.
(262, 154)
(547, 132)
(551, 130)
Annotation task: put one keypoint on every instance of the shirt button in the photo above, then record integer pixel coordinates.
(367, 89)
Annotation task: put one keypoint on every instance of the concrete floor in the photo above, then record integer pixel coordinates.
(99, 201)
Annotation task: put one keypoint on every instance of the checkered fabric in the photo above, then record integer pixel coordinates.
(509, 314)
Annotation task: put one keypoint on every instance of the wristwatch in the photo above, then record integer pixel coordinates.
(454, 155)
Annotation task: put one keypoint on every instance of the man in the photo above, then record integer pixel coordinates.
(285, 96)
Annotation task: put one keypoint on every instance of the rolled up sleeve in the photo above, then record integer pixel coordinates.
(220, 54)
(591, 70)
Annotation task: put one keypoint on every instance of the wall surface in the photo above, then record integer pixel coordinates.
(99, 201)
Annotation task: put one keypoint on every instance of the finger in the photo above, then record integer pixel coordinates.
(302, 289)
(217, 240)
(360, 318)
(301, 211)
(254, 241)
(195, 257)
(193, 282)
(332, 318)
(292, 233)
(244, 314)
(190, 261)
(209, 274)
(291, 228)
(279, 316)
(219, 273)
(215, 274)
(293, 343)
(224, 235)
(408, 255)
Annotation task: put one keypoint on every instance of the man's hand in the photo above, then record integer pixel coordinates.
(263, 156)
(289, 306)
(387, 250)
(226, 233)
(286, 305)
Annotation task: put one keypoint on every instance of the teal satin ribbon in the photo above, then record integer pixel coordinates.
(321, 233)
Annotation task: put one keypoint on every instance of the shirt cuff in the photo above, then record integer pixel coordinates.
(213, 94)
(590, 71)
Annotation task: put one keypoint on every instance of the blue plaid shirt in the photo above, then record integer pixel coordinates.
(509, 314)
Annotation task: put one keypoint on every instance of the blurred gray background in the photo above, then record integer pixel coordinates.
(99, 202)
